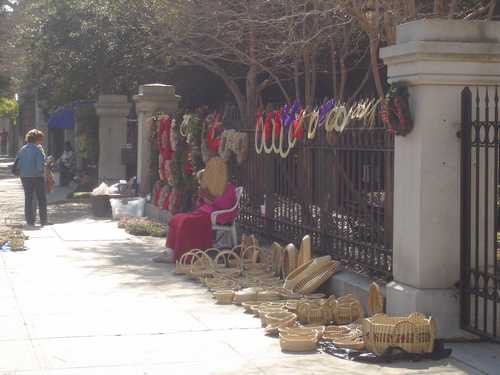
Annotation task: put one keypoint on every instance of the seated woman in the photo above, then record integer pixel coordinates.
(193, 230)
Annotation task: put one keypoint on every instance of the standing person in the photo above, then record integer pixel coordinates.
(4, 137)
(67, 164)
(30, 162)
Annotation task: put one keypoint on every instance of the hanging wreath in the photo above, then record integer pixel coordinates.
(395, 110)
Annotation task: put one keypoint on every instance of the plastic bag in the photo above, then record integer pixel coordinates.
(102, 189)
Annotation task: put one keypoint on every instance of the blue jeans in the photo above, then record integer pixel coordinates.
(34, 186)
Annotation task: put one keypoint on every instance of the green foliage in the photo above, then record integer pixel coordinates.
(8, 108)
(88, 133)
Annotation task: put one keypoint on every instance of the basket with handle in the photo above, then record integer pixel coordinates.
(415, 333)
(185, 262)
(348, 309)
(227, 262)
(202, 266)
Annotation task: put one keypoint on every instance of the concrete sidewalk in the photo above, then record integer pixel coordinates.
(86, 299)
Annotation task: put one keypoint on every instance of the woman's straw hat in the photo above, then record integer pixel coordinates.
(214, 177)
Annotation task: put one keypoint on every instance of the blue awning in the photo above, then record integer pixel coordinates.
(63, 118)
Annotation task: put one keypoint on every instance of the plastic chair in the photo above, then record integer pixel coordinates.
(231, 228)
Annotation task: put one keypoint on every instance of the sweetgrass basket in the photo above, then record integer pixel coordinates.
(304, 255)
(375, 300)
(224, 297)
(314, 313)
(348, 309)
(185, 262)
(289, 260)
(415, 333)
(276, 254)
(317, 277)
(298, 343)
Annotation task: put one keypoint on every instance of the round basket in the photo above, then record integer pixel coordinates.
(415, 333)
(304, 251)
(275, 321)
(289, 260)
(224, 297)
(246, 295)
(298, 343)
(304, 330)
(375, 300)
(263, 311)
(268, 295)
(348, 310)
(249, 305)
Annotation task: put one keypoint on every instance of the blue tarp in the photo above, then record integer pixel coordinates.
(63, 118)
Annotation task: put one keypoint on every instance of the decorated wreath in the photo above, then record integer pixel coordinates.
(395, 110)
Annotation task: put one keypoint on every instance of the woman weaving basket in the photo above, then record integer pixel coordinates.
(193, 230)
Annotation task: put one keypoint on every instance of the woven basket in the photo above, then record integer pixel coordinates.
(349, 337)
(305, 271)
(250, 256)
(249, 305)
(375, 300)
(202, 266)
(348, 310)
(315, 279)
(314, 313)
(246, 295)
(289, 260)
(279, 317)
(224, 297)
(415, 333)
(228, 263)
(304, 251)
(275, 321)
(263, 311)
(307, 329)
(183, 265)
(298, 343)
(276, 254)
(215, 176)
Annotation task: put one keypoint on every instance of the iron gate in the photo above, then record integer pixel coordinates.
(480, 230)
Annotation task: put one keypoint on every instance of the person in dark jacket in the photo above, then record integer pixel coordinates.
(30, 162)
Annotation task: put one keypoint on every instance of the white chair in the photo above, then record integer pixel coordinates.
(231, 228)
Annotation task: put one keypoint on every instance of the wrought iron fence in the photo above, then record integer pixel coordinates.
(480, 256)
(337, 188)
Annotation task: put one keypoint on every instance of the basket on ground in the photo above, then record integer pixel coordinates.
(415, 333)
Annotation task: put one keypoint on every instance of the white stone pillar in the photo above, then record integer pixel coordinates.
(436, 59)
(152, 99)
(112, 111)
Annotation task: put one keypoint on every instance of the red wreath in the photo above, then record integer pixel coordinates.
(213, 140)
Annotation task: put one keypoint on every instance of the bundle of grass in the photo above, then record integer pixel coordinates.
(140, 226)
